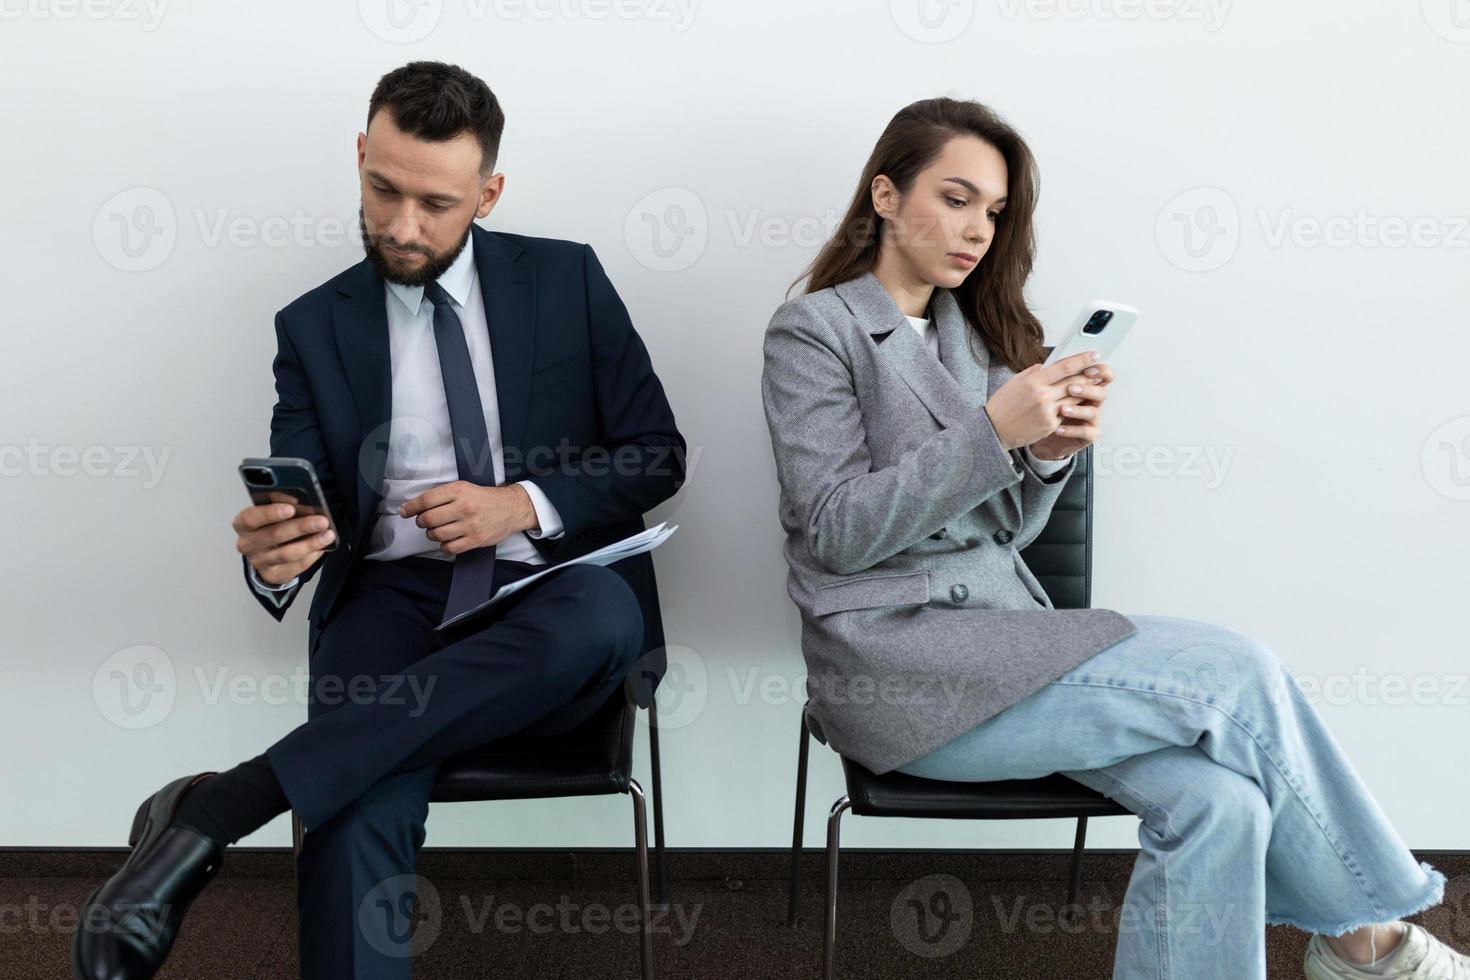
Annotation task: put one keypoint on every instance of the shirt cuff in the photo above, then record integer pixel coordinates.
(1046, 467)
(275, 593)
(546, 514)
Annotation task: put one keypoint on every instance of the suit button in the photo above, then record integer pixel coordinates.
(959, 593)
(939, 535)
(1002, 536)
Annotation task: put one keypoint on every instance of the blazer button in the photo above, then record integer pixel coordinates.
(1002, 536)
(959, 593)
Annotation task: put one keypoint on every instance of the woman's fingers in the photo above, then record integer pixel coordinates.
(1083, 433)
(1085, 413)
(1086, 392)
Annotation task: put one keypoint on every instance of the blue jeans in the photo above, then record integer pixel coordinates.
(1251, 813)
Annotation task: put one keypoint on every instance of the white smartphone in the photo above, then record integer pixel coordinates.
(1101, 326)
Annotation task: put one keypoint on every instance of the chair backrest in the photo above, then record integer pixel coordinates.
(1061, 556)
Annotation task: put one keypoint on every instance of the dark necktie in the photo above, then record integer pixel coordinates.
(474, 570)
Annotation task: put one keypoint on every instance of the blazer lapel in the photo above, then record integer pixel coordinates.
(968, 359)
(360, 325)
(952, 391)
(903, 349)
(964, 355)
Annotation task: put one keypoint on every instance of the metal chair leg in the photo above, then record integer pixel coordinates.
(797, 825)
(640, 838)
(1078, 845)
(661, 879)
(829, 942)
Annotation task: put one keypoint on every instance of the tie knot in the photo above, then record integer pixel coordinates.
(437, 294)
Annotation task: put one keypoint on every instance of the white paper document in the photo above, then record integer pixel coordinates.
(643, 541)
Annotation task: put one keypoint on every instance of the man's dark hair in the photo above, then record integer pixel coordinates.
(435, 101)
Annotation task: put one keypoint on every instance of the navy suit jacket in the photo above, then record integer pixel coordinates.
(582, 413)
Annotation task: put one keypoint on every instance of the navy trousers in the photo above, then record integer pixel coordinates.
(390, 698)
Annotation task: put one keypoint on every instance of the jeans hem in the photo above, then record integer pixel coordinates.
(1433, 896)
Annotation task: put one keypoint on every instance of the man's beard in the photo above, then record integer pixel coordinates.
(420, 275)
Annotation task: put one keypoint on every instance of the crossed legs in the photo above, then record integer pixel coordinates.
(390, 699)
(1251, 812)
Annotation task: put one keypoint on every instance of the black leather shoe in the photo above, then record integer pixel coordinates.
(126, 927)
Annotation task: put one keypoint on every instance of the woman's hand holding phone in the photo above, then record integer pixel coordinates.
(279, 544)
(1053, 408)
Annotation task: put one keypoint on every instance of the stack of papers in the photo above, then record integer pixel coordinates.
(637, 544)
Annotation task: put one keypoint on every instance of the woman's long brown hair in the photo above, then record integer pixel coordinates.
(991, 297)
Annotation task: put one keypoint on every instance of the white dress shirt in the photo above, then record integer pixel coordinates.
(1043, 467)
(420, 447)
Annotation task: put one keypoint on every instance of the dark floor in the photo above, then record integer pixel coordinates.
(727, 916)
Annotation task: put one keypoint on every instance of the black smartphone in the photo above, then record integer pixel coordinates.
(288, 480)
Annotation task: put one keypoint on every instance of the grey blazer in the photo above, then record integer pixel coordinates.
(904, 521)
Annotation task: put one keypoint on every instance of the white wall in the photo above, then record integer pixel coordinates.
(1324, 378)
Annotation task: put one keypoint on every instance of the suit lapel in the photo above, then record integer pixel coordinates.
(508, 289)
(360, 325)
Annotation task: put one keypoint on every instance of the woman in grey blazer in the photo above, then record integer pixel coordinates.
(920, 445)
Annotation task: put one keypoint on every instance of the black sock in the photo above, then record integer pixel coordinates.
(233, 803)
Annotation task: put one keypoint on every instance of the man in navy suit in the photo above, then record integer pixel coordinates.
(476, 405)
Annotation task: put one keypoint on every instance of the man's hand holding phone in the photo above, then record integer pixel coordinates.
(279, 544)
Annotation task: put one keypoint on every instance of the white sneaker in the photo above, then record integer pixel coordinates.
(1424, 957)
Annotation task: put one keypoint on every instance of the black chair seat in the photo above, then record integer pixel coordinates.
(898, 794)
(593, 758)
